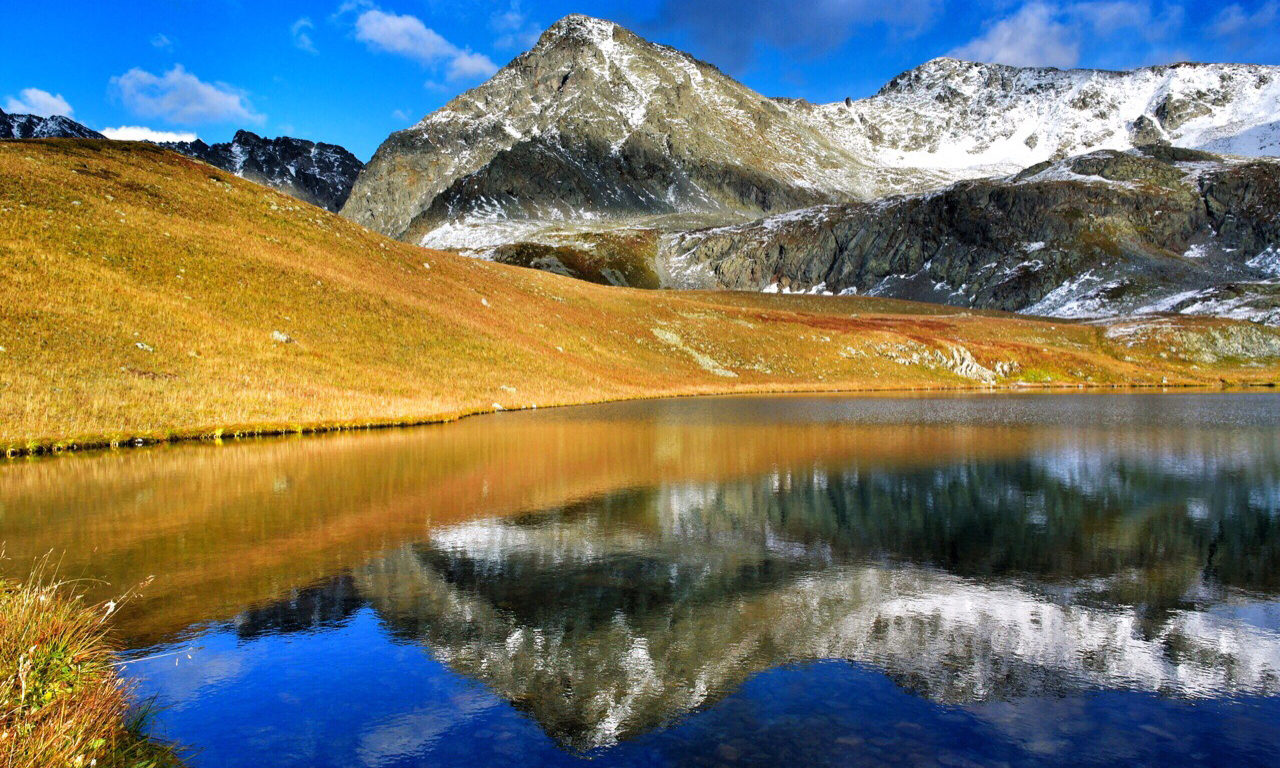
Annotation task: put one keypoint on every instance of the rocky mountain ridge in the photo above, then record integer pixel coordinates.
(36, 127)
(595, 125)
(320, 174)
(1158, 229)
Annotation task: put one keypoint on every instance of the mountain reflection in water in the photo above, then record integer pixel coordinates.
(977, 553)
(964, 582)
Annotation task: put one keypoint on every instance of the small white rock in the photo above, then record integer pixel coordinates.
(144, 347)
(281, 337)
(484, 301)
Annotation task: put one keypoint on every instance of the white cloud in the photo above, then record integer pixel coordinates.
(161, 41)
(1034, 36)
(400, 116)
(1046, 34)
(301, 35)
(33, 101)
(142, 133)
(180, 97)
(468, 66)
(405, 35)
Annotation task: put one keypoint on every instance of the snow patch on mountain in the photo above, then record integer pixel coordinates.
(964, 116)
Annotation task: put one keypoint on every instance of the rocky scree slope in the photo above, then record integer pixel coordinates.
(318, 173)
(595, 125)
(1158, 229)
(36, 127)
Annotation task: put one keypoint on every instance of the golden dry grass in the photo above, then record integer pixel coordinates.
(143, 294)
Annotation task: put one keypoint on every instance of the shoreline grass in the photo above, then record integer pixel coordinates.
(225, 433)
(62, 702)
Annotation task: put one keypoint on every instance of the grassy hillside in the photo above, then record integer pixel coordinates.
(146, 295)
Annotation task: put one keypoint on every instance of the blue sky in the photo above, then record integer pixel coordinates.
(351, 72)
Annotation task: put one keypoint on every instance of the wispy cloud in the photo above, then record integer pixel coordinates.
(161, 41)
(33, 101)
(142, 133)
(514, 29)
(1235, 19)
(180, 97)
(1249, 32)
(301, 33)
(1037, 35)
(407, 36)
(1045, 34)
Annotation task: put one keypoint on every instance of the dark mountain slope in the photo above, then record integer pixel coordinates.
(320, 174)
(1160, 229)
(36, 127)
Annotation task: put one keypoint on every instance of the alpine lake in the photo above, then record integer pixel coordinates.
(911, 580)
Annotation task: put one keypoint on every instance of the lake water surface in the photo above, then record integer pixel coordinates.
(996, 580)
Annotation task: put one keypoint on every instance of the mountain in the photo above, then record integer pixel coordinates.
(967, 117)
(602, 156)
(149, 296)
(36, 127)
(1158, 229)
(595, 124)
(320, 174)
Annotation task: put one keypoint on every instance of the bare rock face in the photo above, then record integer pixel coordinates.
(36, 127)
(320, 174)
(1149, 230)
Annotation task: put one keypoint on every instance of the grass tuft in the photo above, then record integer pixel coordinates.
(62, 702)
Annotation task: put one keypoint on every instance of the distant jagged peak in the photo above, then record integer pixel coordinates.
(249, 137)
(14, 126)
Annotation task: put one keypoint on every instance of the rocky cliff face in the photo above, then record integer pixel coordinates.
(1152, 230)
(36, 127)
(320, 174)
